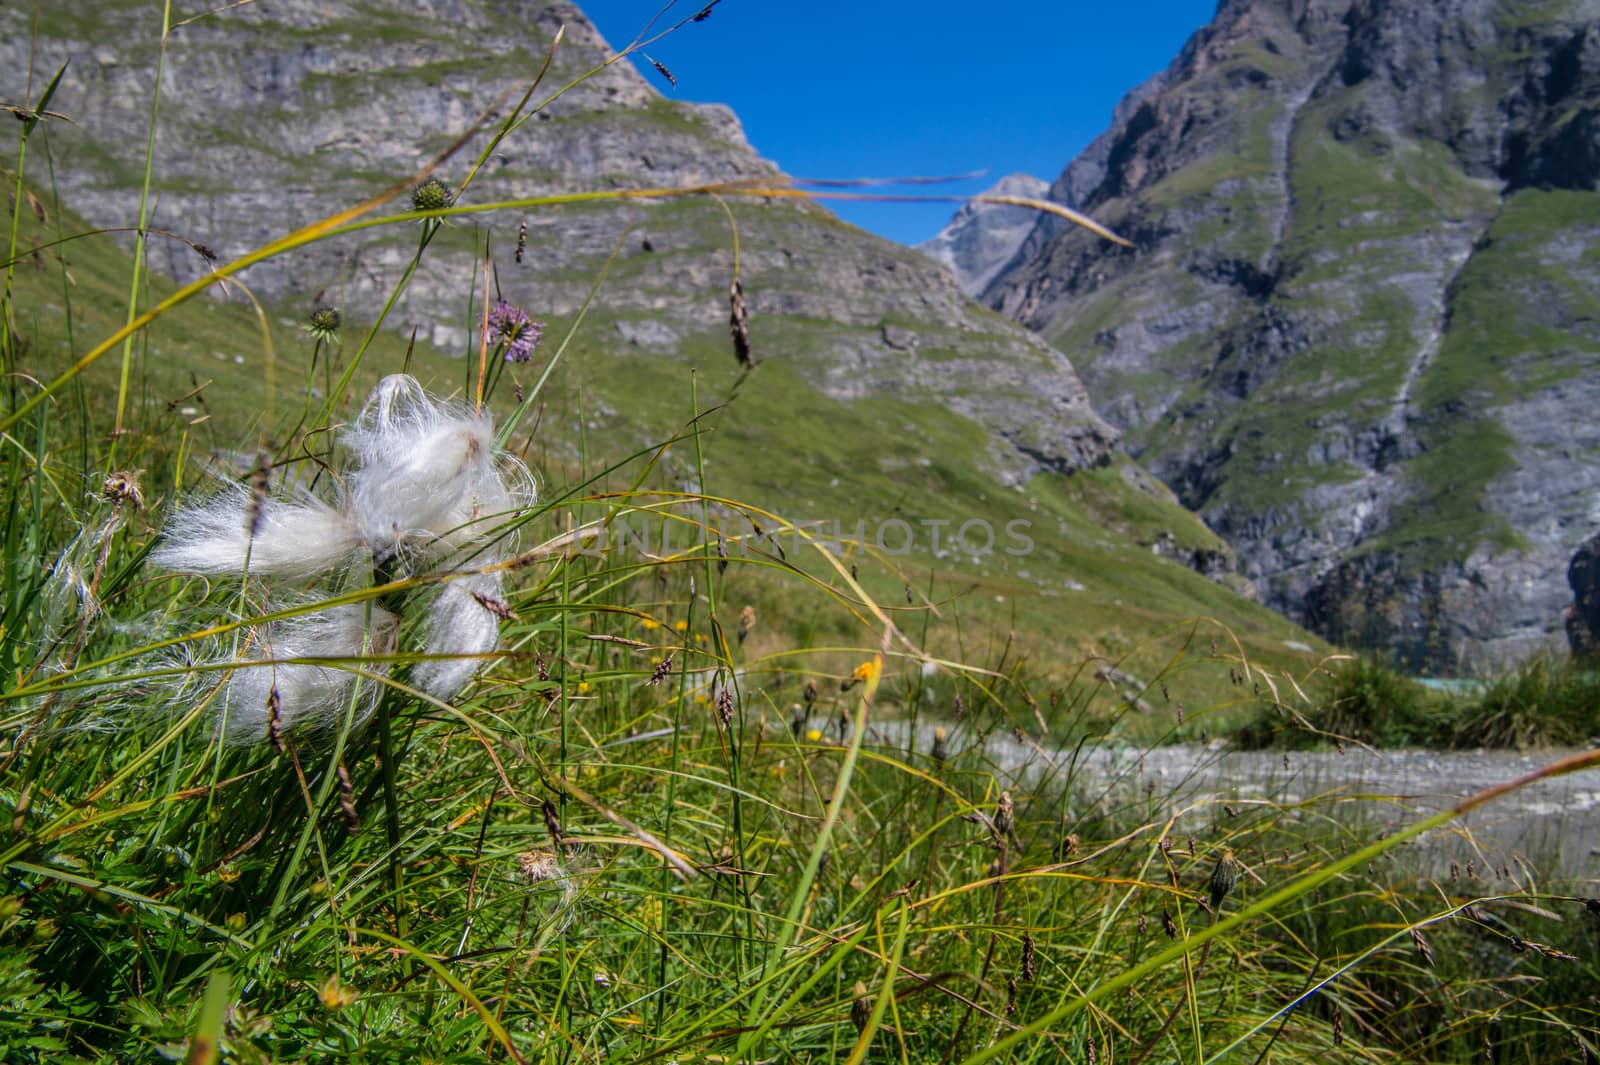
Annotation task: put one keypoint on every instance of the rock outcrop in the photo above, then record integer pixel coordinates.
(1361, 327)
(1583, 616)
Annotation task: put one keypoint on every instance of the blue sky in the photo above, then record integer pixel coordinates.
(872, 90)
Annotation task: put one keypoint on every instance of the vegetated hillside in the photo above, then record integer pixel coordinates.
(882, 394)
(1360, 329)
(273, 116)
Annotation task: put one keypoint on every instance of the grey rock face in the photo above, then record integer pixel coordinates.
(1359, 332)
(275, 115)
(1583, 617)
(982, 237)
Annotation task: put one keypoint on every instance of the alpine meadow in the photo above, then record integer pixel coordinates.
(495, 570)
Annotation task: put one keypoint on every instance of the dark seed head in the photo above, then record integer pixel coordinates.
(123, 487)
(739, 324)
(861, 1007)
(1224, 878)
(552, 822)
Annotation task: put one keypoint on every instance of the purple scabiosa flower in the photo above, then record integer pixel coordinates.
(511, 327)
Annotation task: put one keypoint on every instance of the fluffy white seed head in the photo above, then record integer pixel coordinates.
(459, 624)
(298, 538)
(427, 480)
(428, 489)
(311, 697)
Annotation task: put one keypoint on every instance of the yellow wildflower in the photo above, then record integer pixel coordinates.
(867, 672)
(334, 995)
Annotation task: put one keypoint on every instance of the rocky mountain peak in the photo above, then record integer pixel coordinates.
(274, 115)
(982, 237)
(1358, 331)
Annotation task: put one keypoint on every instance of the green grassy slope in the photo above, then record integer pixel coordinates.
(1076, 580)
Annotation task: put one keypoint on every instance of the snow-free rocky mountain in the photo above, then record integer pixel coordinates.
(982, 237)
(1360, 329)
(883, 393)
(276, 113)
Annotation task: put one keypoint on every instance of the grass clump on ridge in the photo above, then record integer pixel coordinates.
(1539, 704)
(648, 829)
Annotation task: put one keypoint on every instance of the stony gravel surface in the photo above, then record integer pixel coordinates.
(1554, 821)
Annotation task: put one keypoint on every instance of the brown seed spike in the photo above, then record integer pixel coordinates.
(347, 798)
(260, 479)
(522, 241)
(747, 622)
(661, 68)
(275, 719)
(662, 671)
(1005, 815)
(1423, 949)
(497, 607)
(552, 822)
(739, 324)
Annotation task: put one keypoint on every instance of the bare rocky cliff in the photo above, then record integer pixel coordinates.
(276, 113)
(1360, 331)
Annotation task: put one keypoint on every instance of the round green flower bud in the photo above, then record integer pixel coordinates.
(431, 195)
(324, 323)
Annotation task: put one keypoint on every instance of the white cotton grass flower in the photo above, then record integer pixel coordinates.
(301, 538)
(463, 625)
(428, 494)
(428, 478)
(310, 696)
